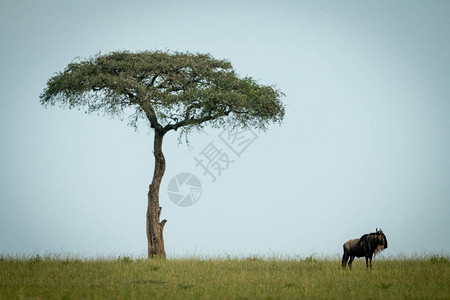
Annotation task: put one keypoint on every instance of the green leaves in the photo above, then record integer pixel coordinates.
(171, 90)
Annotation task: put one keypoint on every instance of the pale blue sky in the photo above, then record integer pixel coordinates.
(365, 142)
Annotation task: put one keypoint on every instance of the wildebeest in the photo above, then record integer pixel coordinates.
(365, 246)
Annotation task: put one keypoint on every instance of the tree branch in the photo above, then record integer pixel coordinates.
(154, 79)
(151, 116)
(194, 122)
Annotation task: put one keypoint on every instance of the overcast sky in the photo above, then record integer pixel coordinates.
(365, 142)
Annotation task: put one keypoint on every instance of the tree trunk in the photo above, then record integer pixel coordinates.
(154, 226)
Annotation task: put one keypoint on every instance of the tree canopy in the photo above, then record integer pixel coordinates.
(171, 90)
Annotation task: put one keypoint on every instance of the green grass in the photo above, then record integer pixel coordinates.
(49, 278)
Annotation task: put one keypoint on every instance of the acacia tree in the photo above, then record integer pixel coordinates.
(171, 91)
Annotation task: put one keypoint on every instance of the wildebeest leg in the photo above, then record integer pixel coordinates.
(350, 262)
(344, 259)
(368, 261)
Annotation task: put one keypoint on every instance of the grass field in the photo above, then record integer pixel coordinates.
(125, 278)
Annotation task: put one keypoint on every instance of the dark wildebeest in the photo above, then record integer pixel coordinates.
(366, 246)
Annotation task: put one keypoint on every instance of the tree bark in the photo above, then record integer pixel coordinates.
(154, 226)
